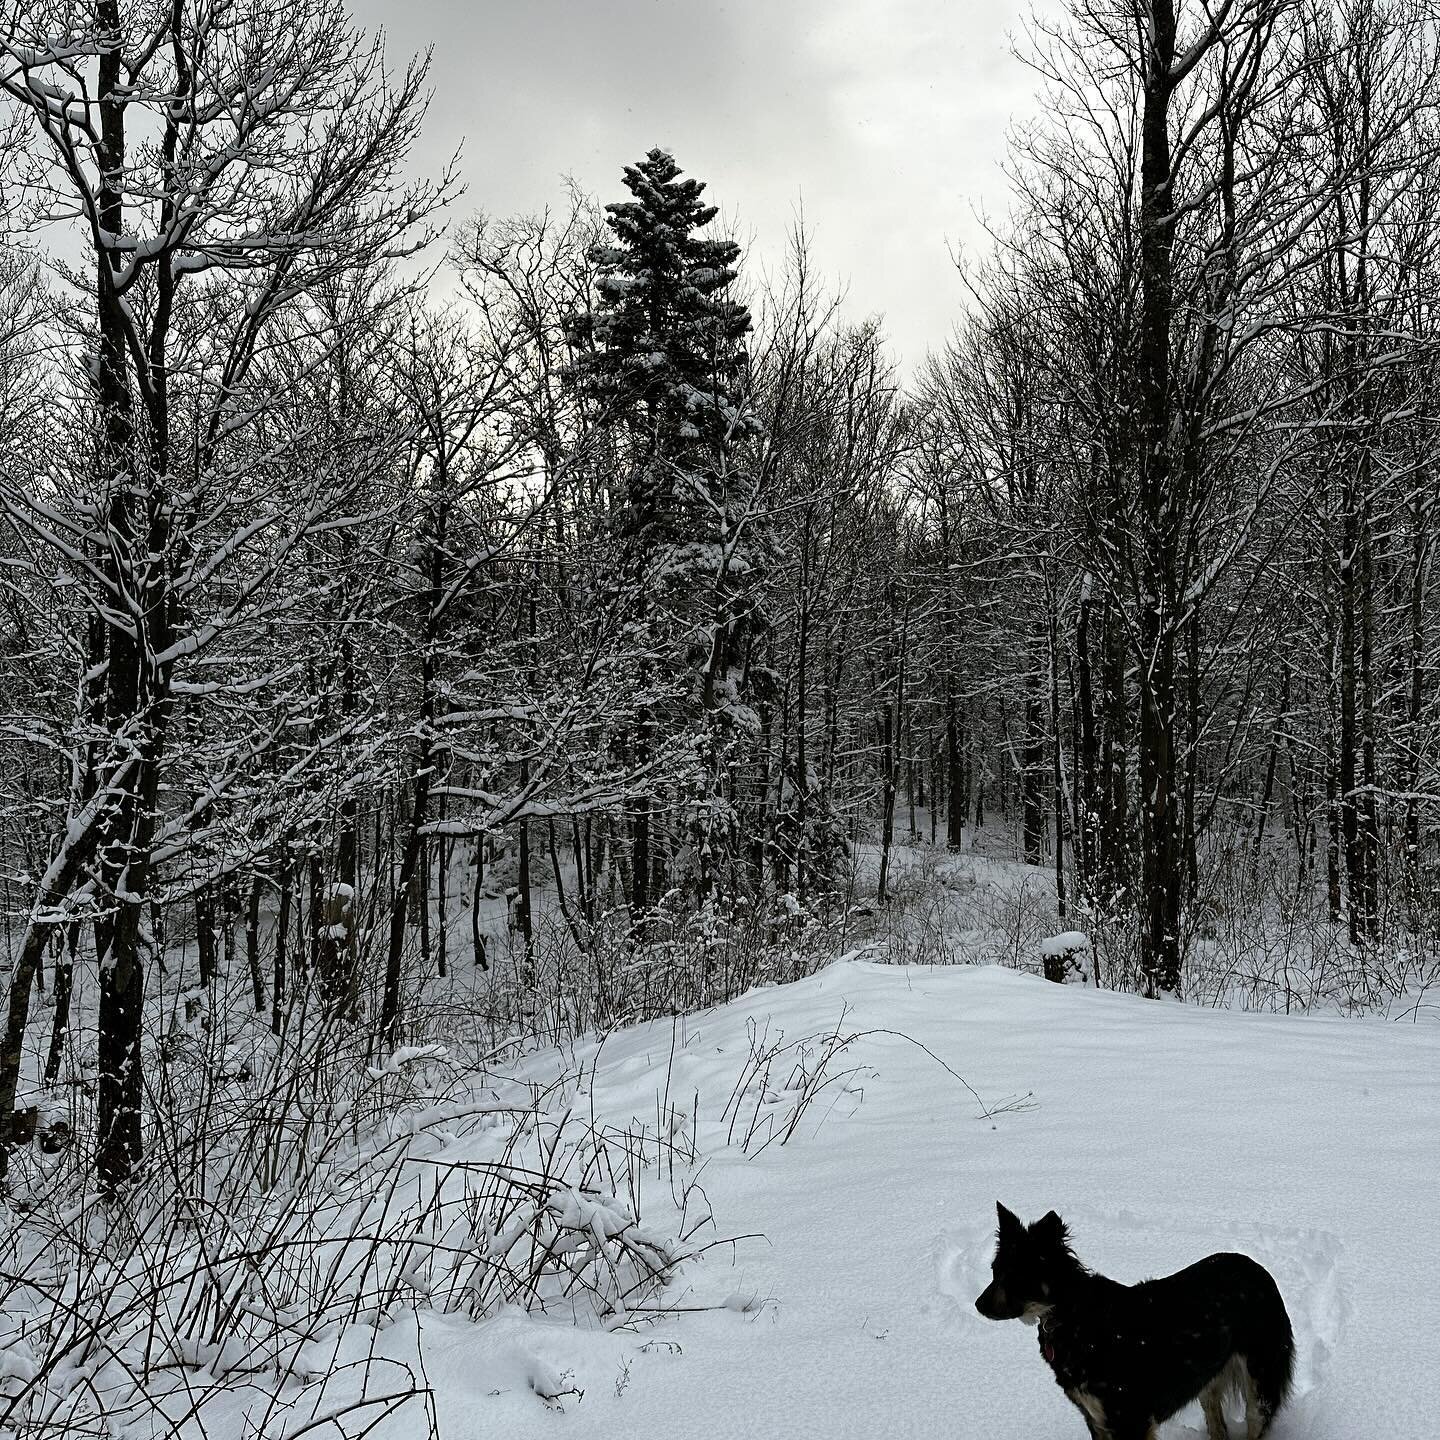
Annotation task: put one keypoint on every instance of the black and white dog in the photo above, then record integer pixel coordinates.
(1130, 1356)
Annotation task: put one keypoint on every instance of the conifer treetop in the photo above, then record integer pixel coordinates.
(668, 338)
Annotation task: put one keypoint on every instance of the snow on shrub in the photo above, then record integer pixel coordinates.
(336, 1201)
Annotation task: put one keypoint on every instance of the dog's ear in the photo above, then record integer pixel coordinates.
(1051, 1227)
(1009, 1222)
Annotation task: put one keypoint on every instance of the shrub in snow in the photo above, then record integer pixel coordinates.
(584, 976)
(551, 1247)
(324, 1203)
(781, 1079)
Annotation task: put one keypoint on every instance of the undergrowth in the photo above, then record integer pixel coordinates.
(1253, 938)
(304, 1203)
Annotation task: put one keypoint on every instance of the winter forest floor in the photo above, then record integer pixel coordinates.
(770, 1217)
(1160, 1133)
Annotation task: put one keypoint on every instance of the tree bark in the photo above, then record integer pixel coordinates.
(1160, 508)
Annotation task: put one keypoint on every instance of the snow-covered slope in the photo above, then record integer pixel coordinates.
(851, 1133)
(1160, 1132)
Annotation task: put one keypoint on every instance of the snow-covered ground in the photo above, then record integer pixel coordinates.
(1161, 1132)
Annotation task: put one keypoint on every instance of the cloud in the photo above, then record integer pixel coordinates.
(887, 117)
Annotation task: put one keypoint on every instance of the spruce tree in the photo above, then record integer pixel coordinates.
(662, 357)
(668, 359)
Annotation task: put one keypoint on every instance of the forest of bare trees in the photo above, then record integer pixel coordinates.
(367, 557)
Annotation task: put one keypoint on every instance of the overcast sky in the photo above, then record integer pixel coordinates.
(885, 118)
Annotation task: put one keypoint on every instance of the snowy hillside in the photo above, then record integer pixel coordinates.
(1160, 1132)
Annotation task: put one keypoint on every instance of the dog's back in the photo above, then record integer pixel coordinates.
(1217, 1325)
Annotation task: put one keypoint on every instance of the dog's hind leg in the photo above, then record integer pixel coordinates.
(1212, 1403)
(1256, 1421)
(1266, 1387)
(1232, 1380)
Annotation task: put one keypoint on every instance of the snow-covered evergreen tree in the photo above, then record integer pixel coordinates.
(667, 357)
(663, 357)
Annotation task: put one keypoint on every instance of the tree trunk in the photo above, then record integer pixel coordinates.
(252, 944)
(205, 936)
(1277, 733)
(958, 796)
(282, 937)
(1159, 516)
(442, 903)
(1088, 799)
(1114, 856)
(523, 915)
(887, 800)
(64, 982)
(477, 940)
(1032, 771)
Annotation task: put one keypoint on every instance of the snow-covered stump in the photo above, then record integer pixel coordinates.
(1063, 955)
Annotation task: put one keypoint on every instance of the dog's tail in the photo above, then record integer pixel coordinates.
(1272, 1365)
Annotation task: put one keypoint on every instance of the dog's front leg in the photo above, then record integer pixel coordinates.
(1093, 1423)
(1128, 1428)
(1094, 1415)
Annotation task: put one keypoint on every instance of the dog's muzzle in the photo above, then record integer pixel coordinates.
(992, 1302)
